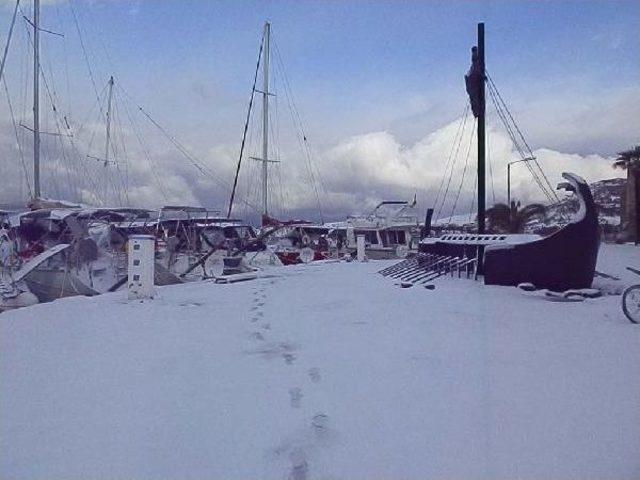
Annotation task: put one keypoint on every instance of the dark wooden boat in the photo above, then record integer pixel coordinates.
(562, 261)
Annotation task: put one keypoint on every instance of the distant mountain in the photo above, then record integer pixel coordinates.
(608, 197)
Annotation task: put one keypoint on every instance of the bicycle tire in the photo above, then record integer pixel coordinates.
(627, 301)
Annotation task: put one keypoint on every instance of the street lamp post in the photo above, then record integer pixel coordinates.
(509, 176)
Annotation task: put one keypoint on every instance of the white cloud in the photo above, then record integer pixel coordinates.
(601, 121)
(367, 168)
(357, 172)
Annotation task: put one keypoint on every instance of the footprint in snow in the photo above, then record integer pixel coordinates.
(299, 465)
(320, 423)
(257, 336)
(191, 304)
(289, 358)
(314, 374)
(295, 397)
(303, 443)
(274, 350)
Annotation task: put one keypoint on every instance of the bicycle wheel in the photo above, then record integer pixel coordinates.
(631, 303)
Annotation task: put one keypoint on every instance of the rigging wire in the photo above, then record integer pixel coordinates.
(522, 136)
(24, 72)
(205, 171)
(274, 127)
(115, 121)
(473, 197)
(88, 117)
(15, 129)
(246, 126)
(84, 51)
(59, 125)
(546, 185)
(453, 163)
(65, 56)
(493, 190)
(120, 184)
(301, 134)
(251, 180)
(463, 120)
(517, 145)
(125, 154)
(464, 171)
(145, 151)
(6, 47)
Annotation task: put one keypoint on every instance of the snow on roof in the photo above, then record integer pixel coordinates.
(459, 220)
(223, 224)
(135, 223)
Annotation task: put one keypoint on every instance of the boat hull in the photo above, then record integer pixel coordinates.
(562, 261)
(48, 285)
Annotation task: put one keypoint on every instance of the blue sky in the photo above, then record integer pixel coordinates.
(355, 54)
(357, 67)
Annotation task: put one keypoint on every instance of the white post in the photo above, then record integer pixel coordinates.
(360, 248)
(141, 266)
(351, 236)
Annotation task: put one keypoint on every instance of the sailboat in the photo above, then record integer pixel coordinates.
(562, 261)
(291, 241)
(60, 248)
(14, 291)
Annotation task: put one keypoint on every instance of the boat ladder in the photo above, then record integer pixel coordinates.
(425, 267)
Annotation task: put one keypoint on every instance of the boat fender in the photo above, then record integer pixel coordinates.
(307, 255)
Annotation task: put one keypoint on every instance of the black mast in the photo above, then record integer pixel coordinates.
(481, 141)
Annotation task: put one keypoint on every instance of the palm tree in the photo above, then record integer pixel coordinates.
(503, 218)
(629, 160)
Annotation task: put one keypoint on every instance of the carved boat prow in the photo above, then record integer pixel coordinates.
(562, 261)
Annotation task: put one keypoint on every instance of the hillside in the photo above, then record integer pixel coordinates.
(606, 193)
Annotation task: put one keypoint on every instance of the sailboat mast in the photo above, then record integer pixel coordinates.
(481, 147)
(36, 98)
(481, 133)
(265, 119)
(108, 141)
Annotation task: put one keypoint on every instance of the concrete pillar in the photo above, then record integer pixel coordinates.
(141, 266)
(360, 248)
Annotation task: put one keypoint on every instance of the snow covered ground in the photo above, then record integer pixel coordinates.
(323, 371)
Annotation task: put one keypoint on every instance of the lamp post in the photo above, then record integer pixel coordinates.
(509, 176)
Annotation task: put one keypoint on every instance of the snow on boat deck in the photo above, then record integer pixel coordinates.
(322, 371)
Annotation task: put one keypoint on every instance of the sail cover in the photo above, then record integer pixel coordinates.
(473, 80)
